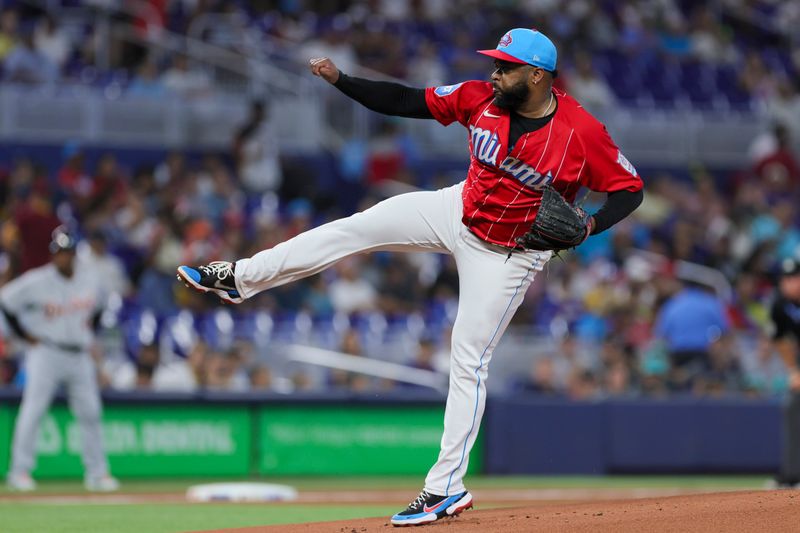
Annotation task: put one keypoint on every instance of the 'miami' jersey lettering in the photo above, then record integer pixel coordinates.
(485, 145)
(525, 173)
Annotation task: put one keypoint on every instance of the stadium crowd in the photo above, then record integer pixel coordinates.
(712, 54)
(625, 317)
(621, 291)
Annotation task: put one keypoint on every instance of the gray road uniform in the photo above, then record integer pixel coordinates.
(59, 312)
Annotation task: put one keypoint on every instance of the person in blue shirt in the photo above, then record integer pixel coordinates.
(689, 323)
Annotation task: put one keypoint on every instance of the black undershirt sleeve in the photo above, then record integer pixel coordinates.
(16, 327)
(619, 204)
(385, 97)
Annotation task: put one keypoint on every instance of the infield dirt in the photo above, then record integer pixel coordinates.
(729, 512)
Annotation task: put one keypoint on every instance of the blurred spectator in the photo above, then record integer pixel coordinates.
(212, 196)
(343, 379)
(779, 170)
(618, 381)
(301, 381)
(184, 81)
(144, 376)
(317, 301)
(654, 385)
(171, 171)
(571, 357)
(674, 37)
(146, 364)
(464, 63)
(51, 41)
(386, 154)
(299, 217)
(72, 177)
(426, 350)
(756, 79)
(261, 378)
(9, 23)
(424, 359)
(587, 87)
(156, 281)
(747, 311)
(709, 40)
(255, 150)
(689, 323)
(659, 202)
(582, 385)
(149, 371)
(426, 69)
(109, 190)
(335, 42)
(93, 254)
(599, 27)
(382, 51)
(399, 287)
(33, 220)
(223, 371)
(724, 374)
(349, 292)
(541, 379)
(25, 64)
(776, 229)
(784, 109)
(764, 372)
(445, 286)
(146, 83)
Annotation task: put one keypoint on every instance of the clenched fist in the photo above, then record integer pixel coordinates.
(324, 68)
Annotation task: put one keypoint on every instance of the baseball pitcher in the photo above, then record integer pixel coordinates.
(531, 149)
(55, 308)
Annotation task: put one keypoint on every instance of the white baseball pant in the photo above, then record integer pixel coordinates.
(491, 288)
(46, 368)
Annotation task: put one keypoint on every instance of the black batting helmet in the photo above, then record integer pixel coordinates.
(62, 239)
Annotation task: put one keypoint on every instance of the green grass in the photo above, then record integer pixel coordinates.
(175, 517)
(169, 518)
(413, 483)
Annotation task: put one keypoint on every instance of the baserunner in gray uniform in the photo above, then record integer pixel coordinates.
(55, 309)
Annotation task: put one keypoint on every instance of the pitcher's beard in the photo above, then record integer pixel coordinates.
(513, 97)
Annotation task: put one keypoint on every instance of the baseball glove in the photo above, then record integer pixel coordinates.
(558, 225)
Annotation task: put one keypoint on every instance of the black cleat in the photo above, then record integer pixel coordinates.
(427, 508)
(216, 277)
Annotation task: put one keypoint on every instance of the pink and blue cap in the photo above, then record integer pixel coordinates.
(525, 46)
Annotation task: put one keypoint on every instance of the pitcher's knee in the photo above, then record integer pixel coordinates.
(467, 369)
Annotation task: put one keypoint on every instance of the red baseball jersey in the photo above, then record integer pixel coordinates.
(503, 188)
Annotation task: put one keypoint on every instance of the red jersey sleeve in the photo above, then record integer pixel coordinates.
(451, 103)
(607, 169)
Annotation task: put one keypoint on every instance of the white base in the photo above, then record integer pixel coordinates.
(241, 492)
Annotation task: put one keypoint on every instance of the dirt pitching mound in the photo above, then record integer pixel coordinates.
(757, 511)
